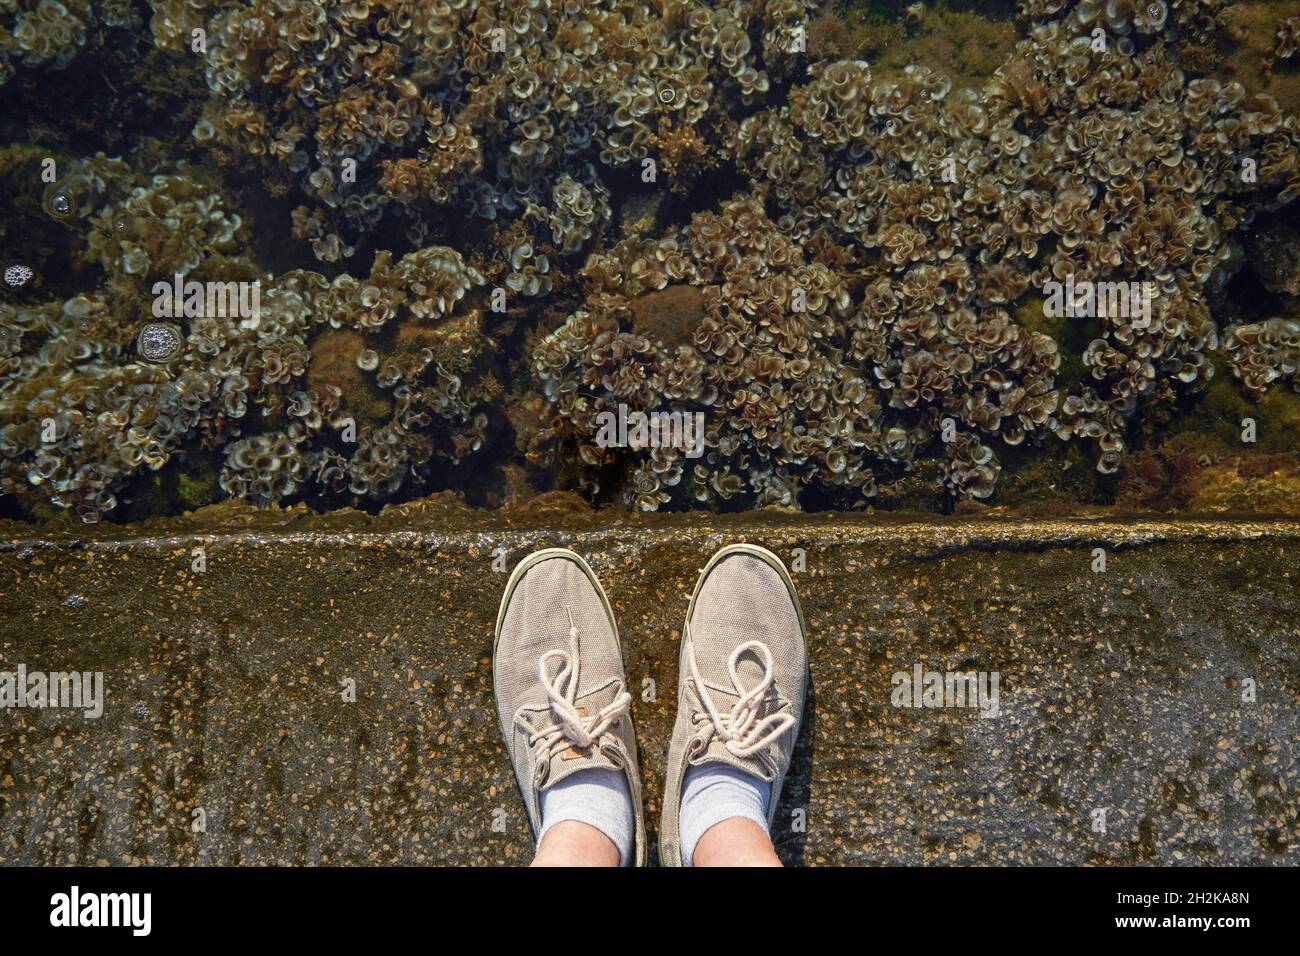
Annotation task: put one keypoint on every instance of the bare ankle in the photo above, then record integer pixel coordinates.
(571, 843)
(735, 842)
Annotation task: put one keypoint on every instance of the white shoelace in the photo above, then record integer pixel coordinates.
(740, 729)
(571, 729)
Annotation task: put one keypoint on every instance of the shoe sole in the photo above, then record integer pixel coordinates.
(777, 565)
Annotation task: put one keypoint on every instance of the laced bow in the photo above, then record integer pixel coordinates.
(570, 728)
(740, 729)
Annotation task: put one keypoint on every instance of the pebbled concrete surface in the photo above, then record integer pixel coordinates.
(1119, 690)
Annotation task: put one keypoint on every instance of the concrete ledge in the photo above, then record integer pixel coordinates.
(1120, 690)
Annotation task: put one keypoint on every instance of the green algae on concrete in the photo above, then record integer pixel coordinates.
(1120, 691)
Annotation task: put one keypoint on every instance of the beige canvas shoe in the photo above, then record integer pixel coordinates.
(557, 670)
(742, 676)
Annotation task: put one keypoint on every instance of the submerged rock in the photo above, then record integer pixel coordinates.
(1274, 256)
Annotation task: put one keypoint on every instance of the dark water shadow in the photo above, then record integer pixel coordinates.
(788, 839)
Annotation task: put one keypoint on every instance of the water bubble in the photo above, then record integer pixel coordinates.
(74, 601)
(17, 276)
(60, 205)
(159, 342)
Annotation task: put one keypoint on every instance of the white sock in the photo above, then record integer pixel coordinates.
(598, 797)
(717, 792)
